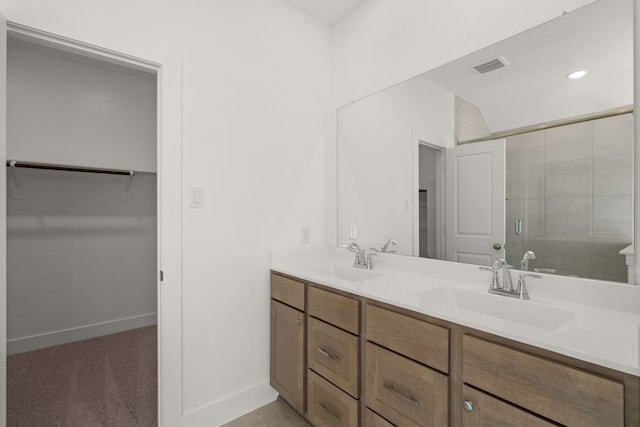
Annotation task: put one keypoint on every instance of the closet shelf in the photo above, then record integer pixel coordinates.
(31, 165)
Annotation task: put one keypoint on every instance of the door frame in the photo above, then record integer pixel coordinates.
(440, 216)
(167, 66)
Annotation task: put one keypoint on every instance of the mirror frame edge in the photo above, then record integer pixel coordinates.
(636, 137)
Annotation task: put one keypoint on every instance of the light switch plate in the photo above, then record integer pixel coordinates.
(196, 197)
(305, 235)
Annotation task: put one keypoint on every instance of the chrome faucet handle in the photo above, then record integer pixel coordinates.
(352, 246)
(360, 260)
(522, 288)
(495, 283)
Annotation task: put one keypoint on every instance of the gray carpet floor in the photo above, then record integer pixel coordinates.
(109, 381)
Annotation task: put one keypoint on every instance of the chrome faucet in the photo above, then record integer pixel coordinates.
(363, 259)
(524, 264)
(495, 281)
(506, 286)
(385, 247)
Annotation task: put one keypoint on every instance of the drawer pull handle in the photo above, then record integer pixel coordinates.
(412, 400)
(468, 405)
(326, 409)
(298, 322)
(325, 353)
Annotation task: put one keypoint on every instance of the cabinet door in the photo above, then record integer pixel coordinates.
(482, 410)
(287, 353)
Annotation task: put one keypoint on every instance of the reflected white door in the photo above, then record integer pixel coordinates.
(475, 202)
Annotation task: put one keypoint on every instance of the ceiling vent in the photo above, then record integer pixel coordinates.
(491, 65)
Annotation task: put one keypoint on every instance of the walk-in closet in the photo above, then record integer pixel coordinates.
(82, 239)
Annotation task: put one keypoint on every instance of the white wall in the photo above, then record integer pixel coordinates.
(377, 140)
(81, 261)
(70, 110)
(385, 42)
(256, 115)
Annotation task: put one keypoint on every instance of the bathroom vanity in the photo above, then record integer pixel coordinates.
(400, 345)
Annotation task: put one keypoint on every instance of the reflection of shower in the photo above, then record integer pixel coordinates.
(423, 223)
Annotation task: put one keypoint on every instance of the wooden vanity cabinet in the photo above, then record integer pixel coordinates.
(333, 377)
(410, 369)
(288, 340)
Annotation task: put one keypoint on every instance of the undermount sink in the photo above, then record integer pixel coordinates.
(346, 272)
(527, 313)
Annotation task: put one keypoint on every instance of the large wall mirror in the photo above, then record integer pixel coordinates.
(500, 152)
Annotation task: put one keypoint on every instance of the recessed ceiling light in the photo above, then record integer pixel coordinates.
(577, 74)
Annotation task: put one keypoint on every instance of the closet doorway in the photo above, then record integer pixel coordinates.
(82, 239)
(430, 201)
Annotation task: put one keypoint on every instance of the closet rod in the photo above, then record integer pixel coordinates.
(30, 165)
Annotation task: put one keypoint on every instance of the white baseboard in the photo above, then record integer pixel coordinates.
(230, 407)
(35, 342)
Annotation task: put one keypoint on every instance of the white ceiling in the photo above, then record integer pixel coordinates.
(534, 88)
(328, 11)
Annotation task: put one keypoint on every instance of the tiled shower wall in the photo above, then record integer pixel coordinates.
(572, 188)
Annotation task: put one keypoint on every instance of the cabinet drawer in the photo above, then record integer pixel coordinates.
(561, 393)
(328, 405)
(485, 410)
(333, 353)
(403, 391)
(338, 310)
(419, 340)
(288, 291)
(374, 420)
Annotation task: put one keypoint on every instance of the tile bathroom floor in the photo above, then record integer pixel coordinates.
(275, 414)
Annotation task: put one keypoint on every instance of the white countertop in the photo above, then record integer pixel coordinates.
(599, 321)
